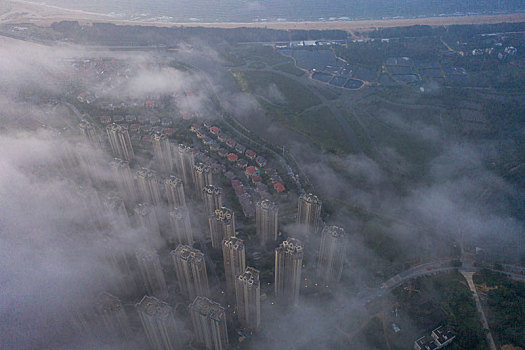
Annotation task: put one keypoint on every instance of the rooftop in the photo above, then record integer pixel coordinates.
(310, 198)
(250, 276)
(291, 246)
(208, 308)
(154, 307)
(223, 214)
(108, 303)
(189, 254)
(234, 242)
(279, 187)
(173, 181)
(210, 189)
(267, 204)
(333, 230)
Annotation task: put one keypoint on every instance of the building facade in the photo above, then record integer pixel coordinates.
(190, 268)
(123, 178)
(148, 184)
(222, 225)
(332, 254)
(159, 324)
(234, 256)
(184, 161)
(162, 151)
(181, 231)
(202, 177)
(146, 220)
(209, 323)
(148, 263)
(89, 132)
(288, 267)
(248, 297)
(120, 142)
(174, 190)
(213, 198)
(309, 213)
(112, 315)
(266, 219)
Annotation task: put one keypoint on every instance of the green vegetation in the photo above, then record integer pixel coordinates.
(289, 68)
(374, 334)
(297, 97)
(329, 92)
(256, 65)
(299, 110)
(180, 66)
(265, 54)
(322, 128)
(374, 53)
(506, 304)
(443, 299)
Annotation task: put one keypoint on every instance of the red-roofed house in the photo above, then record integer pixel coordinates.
(186, 116)
(195, 127)
(242, 163)
(105, 119)
(279, 187)
(215, 130)
(168, 131)
(231, 143)
(134, 127)
(239, 191)
(250, 154)
(256, 179)
(149, 104)
(251, 170)
(232, 157)
(236, 183)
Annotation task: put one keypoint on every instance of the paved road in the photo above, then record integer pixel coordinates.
(432, 268)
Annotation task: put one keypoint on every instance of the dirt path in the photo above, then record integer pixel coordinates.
(472, 286)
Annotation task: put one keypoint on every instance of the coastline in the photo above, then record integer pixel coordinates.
(20, 11)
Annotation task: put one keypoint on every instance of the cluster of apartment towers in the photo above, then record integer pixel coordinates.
(242, 282)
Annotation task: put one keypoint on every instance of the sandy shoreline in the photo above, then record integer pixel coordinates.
(19, 11)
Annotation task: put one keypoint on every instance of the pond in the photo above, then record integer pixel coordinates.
(353, 84)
